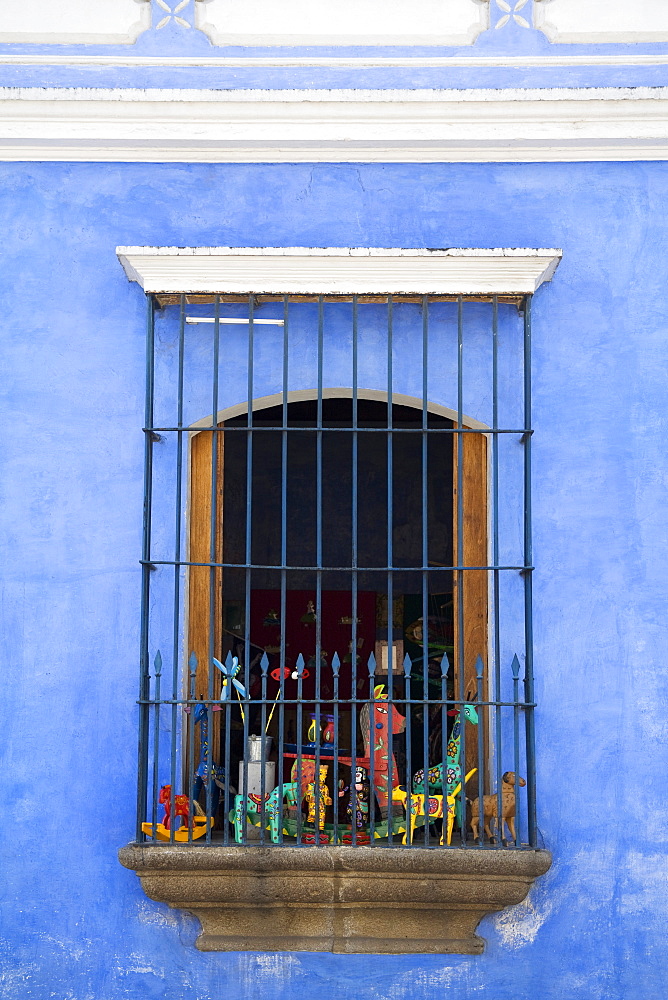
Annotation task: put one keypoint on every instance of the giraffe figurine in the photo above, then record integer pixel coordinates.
(451, 767)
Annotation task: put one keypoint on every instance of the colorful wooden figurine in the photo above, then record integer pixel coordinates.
(450, 769)
(415, 810)
(490, 808)
(252, 813)
(360, 801)
(181, 806)
(376, 723)
(275, 802)
(319, 797)
(162, 831)
(273, 809)
(421, 809)
(454, 804)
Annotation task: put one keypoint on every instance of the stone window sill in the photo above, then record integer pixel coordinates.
(339, 899)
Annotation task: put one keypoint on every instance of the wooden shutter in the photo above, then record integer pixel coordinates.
(471, 587)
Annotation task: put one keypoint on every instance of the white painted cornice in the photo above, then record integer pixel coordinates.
(333, 61)
(255, 126)
(338, 270)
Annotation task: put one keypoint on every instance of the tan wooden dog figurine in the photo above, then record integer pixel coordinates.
(490, 804)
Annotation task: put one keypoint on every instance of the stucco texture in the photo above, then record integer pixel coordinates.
(77, 925)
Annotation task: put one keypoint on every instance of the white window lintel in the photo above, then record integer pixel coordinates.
(339, 270)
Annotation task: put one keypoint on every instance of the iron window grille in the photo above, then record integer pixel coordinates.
(367, 426)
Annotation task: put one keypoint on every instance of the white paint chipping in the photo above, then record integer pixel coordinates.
(517, 926)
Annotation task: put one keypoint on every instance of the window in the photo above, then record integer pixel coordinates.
(336, 632)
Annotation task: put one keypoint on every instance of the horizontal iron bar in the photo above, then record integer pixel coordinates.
(339, 430)
(329, 569)
(341, 701)
(393, 845)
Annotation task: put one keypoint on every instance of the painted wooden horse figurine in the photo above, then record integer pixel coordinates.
(181, 806)
(451, 767)
(194, 826)
(377, 722)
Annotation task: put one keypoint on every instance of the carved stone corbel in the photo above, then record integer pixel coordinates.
(351, 900)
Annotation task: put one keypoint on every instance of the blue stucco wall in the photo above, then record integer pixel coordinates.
(74, 923)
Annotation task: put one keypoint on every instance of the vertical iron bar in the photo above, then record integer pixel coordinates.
(335, 777)
(516, 749)
(528, 589)
(248, 572)
(479, 675)
(371, 664)
(156, 738)
(445, 666)
(354, 584)
(299, 737)
(144, 679)
(284, 562)
(192, 666)
(177, 570)
(213, 557)
(227, 777)
(390, 561)
(460, 558)
(409, 755)
(264, 667)
(318, 575)
(495, 555)
(425, 574)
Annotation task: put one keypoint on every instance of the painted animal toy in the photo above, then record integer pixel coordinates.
(421, 807)
(448, 773)
(277, 797)
(181, 806)
(192, 829)
(490, 808)
(321, 799)
(377, 720)
(273, 810)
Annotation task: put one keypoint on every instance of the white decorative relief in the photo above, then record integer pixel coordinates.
(509, 12)
(602, 20)
(346, 22)
(73, 22)
(172, 14)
